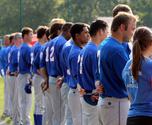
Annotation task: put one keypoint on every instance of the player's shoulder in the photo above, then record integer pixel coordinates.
(147, 63)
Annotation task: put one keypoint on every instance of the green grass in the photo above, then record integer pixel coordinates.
(2, 103)
(1, 95)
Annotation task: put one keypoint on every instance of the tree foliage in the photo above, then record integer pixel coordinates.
(18, 13)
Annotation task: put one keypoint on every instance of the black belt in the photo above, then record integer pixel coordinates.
(12, 74)
(55, 76)
(73, 87)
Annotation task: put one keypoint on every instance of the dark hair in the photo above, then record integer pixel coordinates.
(142, 39)
(41, 31)
(121, 18)
(96, 26)
(121, 8)
(67, 26)
(26, 31)
(12, 36)
(77, 29)
(54, 30)
(47, 33)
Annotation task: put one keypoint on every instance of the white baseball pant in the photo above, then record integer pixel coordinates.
(39, 96)
(113, 111)
(75, 106)
(48, 113)
(58, 114)
(14, 99)
(89, 113)
(25, 100)
(65, 106)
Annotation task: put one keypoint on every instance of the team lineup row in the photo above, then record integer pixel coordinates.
(81, 74)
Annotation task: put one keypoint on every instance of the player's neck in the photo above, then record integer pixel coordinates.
(78, 43)
(64, 35)
(26, 41)
(41, 41)
(96, 40)
(117, 36)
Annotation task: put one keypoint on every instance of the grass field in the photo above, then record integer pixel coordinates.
(2, 102)
(1, 95)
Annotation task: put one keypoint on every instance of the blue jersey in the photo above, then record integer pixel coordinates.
(43, 55)
(24, 59)
(88, 67)
(139, 90)
(54, 55)
(3, 65)
(64, 59)
(35, 60)
(72, 65)
(49, 58)
(127, 49)
(112, 59)
(13, 65)
(7, 56)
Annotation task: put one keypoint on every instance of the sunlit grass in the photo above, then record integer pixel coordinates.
(2, 103)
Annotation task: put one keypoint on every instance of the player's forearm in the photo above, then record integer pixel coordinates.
(44, 74)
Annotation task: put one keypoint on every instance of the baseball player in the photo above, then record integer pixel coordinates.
(13, 72)
(115, 96)
(24, 66)
(56, 71)
(45, 70)
(87, 72)
(65, 87)
(47, 116)
(80, 36)
(3, 67)
(7, 61)
(37, 78)
(123, 8)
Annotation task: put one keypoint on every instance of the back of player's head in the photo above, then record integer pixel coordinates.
(121, 8)
(55, 30)
(67, 26)
(26, 31)
(6, 36)
(18, 35)
(142, 39)
(96, 26)
(11, 38)
(6, 40)
(41, 31)
(122, 18)
(47, 33)
(77, 29)
(56, 20)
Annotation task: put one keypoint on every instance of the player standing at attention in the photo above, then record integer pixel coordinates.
(65, 87)
(24, 66)
(55, 48)
(37, 78)
(7, 61)
(55, 30)
(87, 72)
(114, 105)
(13, 72)
(3, 74)
(123, 8)
(80, 36)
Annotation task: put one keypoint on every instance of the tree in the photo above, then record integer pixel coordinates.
(38, 12)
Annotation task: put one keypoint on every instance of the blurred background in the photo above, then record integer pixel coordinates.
(14, 14)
